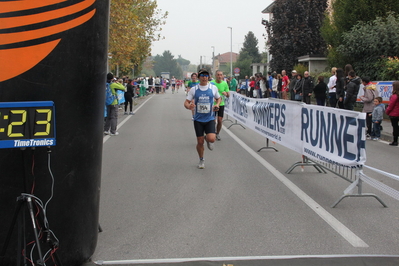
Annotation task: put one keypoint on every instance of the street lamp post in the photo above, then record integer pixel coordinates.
(213, 59)
(231, 50)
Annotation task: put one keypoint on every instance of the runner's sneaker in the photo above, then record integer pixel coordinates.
(106, 132)
(125, 113)
(114, 134)
(210, 145)
(131, 113)
(217, 137)
(375, 138)
(201, 164)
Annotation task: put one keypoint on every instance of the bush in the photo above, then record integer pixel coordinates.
(326, 76)
(300, 68)
(389, 68)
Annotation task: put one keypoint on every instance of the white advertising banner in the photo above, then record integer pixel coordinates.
(384, 89)
(321, 133)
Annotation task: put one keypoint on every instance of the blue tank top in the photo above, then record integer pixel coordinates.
(203, 105)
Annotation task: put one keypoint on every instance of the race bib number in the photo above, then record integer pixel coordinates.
(203, 108)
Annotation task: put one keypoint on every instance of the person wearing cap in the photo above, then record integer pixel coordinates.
(292, 84)
(223, 89)
(201, 99)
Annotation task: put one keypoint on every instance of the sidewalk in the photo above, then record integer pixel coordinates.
(386, 133)
(136, 103)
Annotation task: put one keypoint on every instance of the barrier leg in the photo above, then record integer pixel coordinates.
(227, 119)
(306, 162)
(267, 147)
(359, 194)
(235, 123)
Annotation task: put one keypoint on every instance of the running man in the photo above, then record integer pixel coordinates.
(192, 83)
(224, 91)
(202, 98)
(173, 82)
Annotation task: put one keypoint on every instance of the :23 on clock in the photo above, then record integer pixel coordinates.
(27, 124)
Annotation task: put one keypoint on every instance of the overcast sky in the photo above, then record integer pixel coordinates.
(193, 27)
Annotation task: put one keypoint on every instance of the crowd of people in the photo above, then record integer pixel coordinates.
(206, 100)
(341, 91)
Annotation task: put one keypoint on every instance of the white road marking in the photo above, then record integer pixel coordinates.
(341, 229)
(126, 119)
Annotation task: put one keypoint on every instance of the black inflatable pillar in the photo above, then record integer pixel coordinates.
(54, 50)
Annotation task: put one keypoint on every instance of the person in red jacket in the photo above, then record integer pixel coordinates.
(393, 112)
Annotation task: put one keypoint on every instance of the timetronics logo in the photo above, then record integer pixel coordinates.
(33, 142)
(26, 28)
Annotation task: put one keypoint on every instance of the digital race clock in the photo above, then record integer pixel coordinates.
(27, 124)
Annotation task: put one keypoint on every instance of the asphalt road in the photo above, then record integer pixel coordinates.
(156, 204)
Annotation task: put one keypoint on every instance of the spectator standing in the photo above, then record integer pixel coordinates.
(292, 85)
(129, 97)
(274, 85)
(201, 99)
(251, 87)
(298, 88)
(393, 112)
(259, 93)
(307, 87)
(263, 87)
(320, 91)
(340, 88)
(233, 84)
(142, 87)
(151, 84)
(370, 93)
(332, 91)
(377, 116)
(244, 86)
(352, 89)
(279, 85)
(112, 110)
(270, 80)
(157, 82)
(348, 68)
(285, 82)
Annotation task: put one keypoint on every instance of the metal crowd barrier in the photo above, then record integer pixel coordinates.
(355, 176)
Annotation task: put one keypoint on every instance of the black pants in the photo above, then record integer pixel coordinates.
(306, 98)
(369, 123)
(128, 100)
(395, 127)
(340, 104)
(332, 97)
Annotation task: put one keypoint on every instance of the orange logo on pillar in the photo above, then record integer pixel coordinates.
(15, 61)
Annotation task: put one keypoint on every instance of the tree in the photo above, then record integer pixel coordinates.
(244, 62)
(249, 54)
(133, 27)
(250, 47)
(367, 42)
(347, 13)
(294, 31)
(167, 63)
(182, 61)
